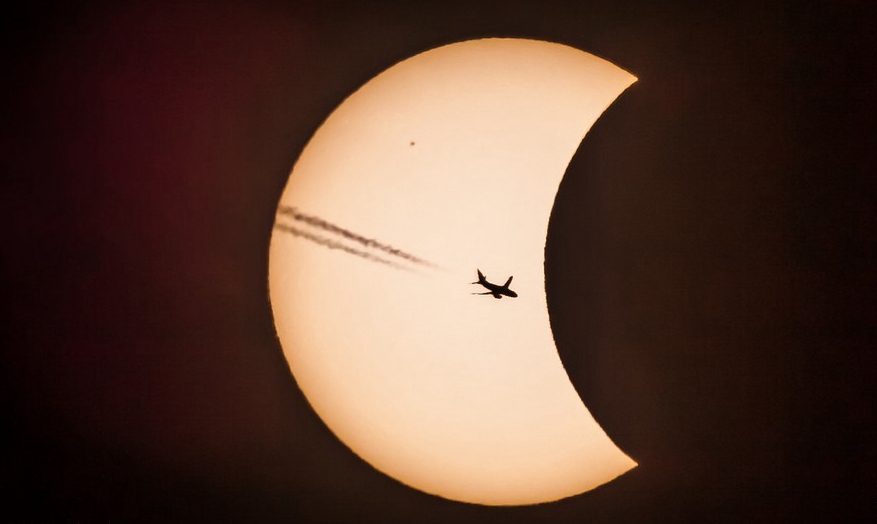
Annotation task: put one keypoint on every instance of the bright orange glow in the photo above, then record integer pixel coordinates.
(455, 156)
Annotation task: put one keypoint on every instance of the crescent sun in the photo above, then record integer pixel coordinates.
(445, 163)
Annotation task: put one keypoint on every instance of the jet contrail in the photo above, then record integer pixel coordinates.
(350, 235)
(333, 244)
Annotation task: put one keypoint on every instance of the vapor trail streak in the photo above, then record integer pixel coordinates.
(350, 235)
(332, 244)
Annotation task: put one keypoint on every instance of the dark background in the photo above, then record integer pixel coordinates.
(710, 262)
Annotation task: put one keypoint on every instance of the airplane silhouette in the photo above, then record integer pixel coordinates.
(495, 290)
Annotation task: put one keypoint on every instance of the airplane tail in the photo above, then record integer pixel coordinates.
(480, 278)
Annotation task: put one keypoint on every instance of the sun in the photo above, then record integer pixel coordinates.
(444, 164)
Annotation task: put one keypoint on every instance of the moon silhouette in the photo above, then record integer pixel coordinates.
(446, 162)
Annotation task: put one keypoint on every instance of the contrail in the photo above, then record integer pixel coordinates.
(350, 235)
(332, 244)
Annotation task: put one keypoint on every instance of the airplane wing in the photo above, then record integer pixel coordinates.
(509, 281)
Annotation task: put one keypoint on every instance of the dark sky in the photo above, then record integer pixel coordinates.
(710, 262)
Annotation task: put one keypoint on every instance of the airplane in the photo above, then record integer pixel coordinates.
(495, 290)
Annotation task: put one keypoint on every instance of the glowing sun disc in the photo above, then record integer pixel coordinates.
(446, 162)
